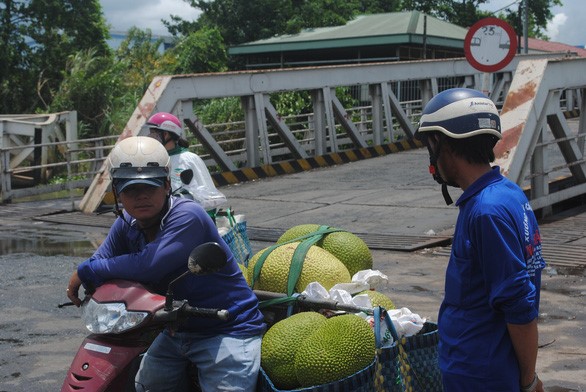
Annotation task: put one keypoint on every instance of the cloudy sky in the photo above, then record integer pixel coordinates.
(568, 25)
(122, 15)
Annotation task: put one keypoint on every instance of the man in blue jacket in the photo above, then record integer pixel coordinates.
(150, 242)
(488, 319)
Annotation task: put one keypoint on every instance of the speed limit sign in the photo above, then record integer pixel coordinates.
(490, 44)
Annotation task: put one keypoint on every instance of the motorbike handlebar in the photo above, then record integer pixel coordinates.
(221, 314)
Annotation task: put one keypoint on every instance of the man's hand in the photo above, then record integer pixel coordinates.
(73, 289)
(535, 386)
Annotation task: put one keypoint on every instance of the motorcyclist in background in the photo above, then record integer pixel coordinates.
(167, 128)
(149, 243)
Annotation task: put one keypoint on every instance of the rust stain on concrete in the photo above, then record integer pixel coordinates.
(519, 97)
(510, 139)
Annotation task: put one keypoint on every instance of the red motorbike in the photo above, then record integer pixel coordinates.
(124, 317)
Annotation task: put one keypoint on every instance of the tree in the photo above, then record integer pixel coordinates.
(462, 13)
(539, 15)
(199, 52)
(38, 36)
(105, 89)
(140, 58)
(14, 57)
(239, 21)
(466, 12)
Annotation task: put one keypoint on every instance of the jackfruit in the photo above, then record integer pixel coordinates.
(340, 347)
(379, 299)
(280, 344)
(319, 266)
(347, 247)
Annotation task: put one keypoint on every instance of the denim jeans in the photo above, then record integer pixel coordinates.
(224, 363)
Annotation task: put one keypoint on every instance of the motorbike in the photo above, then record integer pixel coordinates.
(124, 318)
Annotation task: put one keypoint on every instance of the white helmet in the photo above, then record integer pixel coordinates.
(138, 160)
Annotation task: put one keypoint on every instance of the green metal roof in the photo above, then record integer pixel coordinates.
(365, 30)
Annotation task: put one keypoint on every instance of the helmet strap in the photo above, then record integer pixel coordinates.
(446, 194)
(117, 210)
(434, 171)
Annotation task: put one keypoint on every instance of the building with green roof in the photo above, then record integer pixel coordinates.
(397, 36)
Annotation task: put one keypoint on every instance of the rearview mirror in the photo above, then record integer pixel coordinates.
(207, 258)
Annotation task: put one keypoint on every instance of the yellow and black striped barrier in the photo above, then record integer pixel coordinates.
(299, 165)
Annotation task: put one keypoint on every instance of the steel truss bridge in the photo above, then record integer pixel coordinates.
(540, 97)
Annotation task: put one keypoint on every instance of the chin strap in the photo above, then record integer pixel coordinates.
(446, 194)
(436, 176)
(433, 170)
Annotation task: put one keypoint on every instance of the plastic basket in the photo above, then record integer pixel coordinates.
(361, 381)
(411, 364)
(237, 239)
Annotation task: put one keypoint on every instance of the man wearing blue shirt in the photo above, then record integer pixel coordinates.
(488, 319)
(150, 242)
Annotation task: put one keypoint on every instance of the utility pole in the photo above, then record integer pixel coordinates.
(526, 26)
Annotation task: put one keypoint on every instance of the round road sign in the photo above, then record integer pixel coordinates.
(490, 44)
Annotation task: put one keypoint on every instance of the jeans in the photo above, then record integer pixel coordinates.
(224, 363)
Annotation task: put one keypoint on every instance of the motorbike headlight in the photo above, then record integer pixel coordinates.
(110, 317)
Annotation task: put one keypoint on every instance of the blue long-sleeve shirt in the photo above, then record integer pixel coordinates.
(493, 278)
(125, 254)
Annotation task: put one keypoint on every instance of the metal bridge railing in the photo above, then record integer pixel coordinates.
(386, 101)
(73, 165)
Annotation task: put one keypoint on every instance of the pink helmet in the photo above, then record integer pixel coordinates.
(166, 122)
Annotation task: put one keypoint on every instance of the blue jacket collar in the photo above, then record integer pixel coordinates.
(492, 176)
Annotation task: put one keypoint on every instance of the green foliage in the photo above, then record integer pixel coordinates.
(90, 84)
(214, 111)
(243, 21)
(539, 15)
(462, 13)
(466, 12)
(140, 59)
(70, 67)
(37, 38)
(247, 21)
(201, 51)
(292, 103)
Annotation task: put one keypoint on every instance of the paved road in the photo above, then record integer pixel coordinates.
(390, 196)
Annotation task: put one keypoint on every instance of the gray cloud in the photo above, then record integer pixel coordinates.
(122, 15)
(567, 26)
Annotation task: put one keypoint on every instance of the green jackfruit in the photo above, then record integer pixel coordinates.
(350, 249)
(281, 342)
(379, 299)
(318, 266)
(340, 347)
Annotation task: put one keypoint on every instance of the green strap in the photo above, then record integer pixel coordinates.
(228, 213)
(298, 256)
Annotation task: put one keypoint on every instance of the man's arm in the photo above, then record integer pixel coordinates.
(525, 341)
